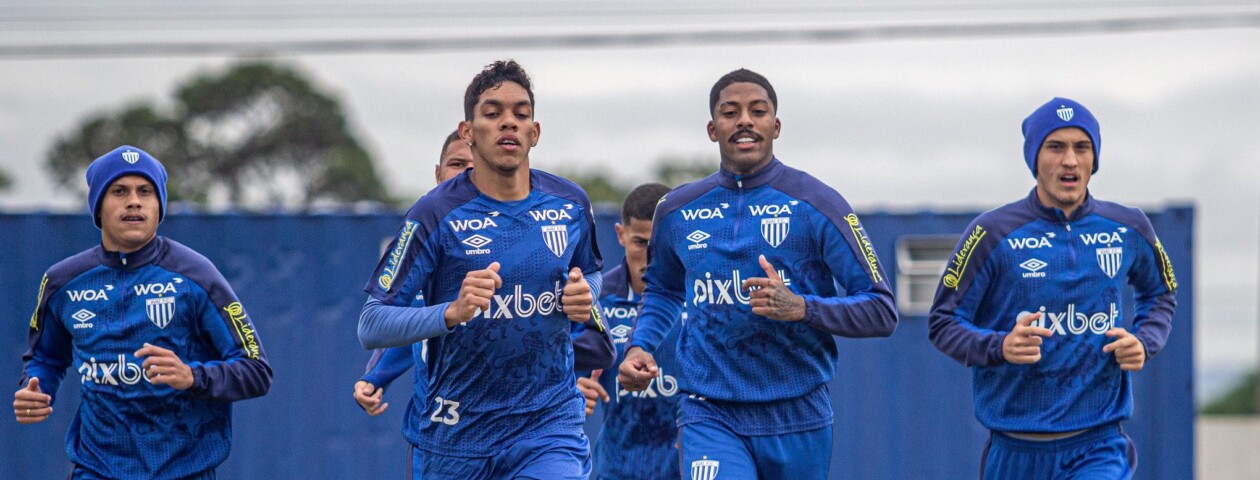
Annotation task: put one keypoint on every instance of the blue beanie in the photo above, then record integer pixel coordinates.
(1053, 115)
(124, 160)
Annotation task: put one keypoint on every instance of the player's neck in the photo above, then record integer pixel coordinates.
(503, 186)
(637, 286)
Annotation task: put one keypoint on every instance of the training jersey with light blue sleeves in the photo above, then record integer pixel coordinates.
(590, 351)
(96, 309)
(508, 373)
(638, 433)
(1024, 258)
(706, 241)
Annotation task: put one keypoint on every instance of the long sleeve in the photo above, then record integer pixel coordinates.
(866, 310)
(51, 350)
(386, 326)
(386, 365)
(243, 371)
(1155, 289)
(592, 345)
(950, 324)
(663, 294)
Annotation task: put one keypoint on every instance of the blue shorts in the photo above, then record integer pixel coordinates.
(549, 457)
(80, 474)
(415, 467)
(711, 451)
(1098, 453)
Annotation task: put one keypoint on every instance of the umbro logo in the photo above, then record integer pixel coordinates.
(1034, 267)
(477, 242)
(620, 333)
(697, 239)
(82, 317)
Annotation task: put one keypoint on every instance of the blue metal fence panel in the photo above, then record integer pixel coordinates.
(903, 410)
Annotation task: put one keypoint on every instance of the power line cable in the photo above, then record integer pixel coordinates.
(744, 36)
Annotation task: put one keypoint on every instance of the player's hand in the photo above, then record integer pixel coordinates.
(1130, 353)
(369, 398)
(475, 295)
(577, 300)
(1023, 344)
(637, 370)
(163, 367)
(770, 298)
(30, 405)
(592, 391)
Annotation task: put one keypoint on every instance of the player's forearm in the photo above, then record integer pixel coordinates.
(1153, 321)
(386, 365)
(969, 346)
(866, 314)
(49, 378)
(595, 281)
(660, 311)
(593, 349)
(231, 380)
(385, 326)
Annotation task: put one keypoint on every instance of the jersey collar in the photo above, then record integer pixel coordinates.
(756, 179)
(1056, 215)
(129, 261)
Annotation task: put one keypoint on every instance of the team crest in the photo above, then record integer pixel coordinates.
(1065, 113)
(131, 157)
(775, 229)
(704, 469)
(160, 310)
(1109, 260)
(557, 238)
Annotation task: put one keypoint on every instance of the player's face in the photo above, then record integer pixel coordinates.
(634, 235)
(1064, 164)
(502, 129)
(744, 127)
(455, 159)
(129, 214)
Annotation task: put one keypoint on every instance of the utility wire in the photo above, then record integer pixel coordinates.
(741, 36)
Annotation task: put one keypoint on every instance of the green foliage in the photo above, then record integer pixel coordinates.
(599, 187)
(5, 181)
(674, 171)
(670, 171)
(258, 128)
(1240, 400)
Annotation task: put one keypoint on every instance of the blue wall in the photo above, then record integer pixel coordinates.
(903, 410)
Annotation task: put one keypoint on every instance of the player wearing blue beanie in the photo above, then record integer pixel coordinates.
(160, 342)
(1032, 301)
(124, 160)
(1053, 115)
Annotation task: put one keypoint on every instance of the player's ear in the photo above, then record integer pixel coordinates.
(617, 226)
(537, 133)
(777, 127)
(712, 132)
(465, 132)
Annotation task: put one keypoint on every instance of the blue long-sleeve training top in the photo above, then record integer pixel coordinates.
(96, 309)
(507, 374)
(706, 240)
(1024, 258)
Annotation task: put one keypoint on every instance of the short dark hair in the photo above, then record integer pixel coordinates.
(641, 202)
(492, 76)
(453, 137)
(742, 75)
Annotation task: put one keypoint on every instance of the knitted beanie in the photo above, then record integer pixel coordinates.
(1053, 115)
(124, 160)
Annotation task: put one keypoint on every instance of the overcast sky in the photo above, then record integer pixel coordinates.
(892, 123)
